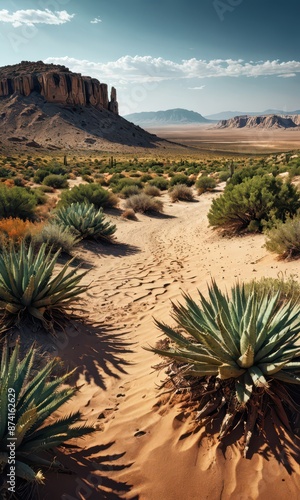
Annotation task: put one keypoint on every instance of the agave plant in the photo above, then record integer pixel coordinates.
(244, 352)
(27, 400)
(86, 221)
(28, 287)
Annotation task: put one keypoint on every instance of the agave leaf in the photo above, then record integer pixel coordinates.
(244, 388)
(247, 359)
(271, 368)
(229, 371)
(258, 377)
(27, 473)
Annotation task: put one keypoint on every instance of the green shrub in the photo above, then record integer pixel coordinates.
(35, 396)
(56, 181)
(151, 190)
(143, 203)
(287, 288)
(85, 221)
(205, 183)
(241, 353)
(254, 203)
(56, 238)
(284, 239)
(181, 192)
(40, 195)
(145, 178)
(28, 288)
(160, 182)
(89, 193)
(223, 176)
(181, 179)
(17, 202)
(126, 182)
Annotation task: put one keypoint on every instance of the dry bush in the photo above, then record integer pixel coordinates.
(181, 192)
(152, 190)
(144, 203)
(284, 239)
(129, 213)
(14, 230)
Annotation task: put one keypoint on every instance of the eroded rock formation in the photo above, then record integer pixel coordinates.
(57, 84)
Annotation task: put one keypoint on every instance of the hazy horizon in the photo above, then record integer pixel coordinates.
(218, 56)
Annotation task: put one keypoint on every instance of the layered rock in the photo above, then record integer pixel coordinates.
(267, 121)
(57, 85)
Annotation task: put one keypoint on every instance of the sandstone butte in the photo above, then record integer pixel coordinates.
(57, 85)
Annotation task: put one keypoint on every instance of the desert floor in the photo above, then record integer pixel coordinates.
(238, 141)
(146, 447)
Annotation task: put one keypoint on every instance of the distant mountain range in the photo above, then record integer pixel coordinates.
(180, 116)
(226, 115)
(176, 116)
(264, 121)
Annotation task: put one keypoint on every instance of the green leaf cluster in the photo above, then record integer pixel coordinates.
(29, 288)
(253, 204)
(85, 221)
(32, 398)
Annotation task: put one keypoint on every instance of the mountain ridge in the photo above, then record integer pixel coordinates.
(173, 116)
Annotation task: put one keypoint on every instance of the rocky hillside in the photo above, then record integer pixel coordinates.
(265, 122)
(176, 116)
(48, 106)
(57, 84)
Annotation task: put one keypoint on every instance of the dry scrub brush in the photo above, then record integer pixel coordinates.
(144, 203)
(181, 192)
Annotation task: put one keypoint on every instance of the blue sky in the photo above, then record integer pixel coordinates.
(204, 55)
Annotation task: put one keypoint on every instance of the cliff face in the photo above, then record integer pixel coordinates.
(57, 85)
(268, 121)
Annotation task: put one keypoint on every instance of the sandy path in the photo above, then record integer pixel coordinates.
(141, 450)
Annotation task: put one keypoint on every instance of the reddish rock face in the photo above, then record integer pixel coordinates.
(61, 87)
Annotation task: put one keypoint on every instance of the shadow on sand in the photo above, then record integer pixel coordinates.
(87, 474)
(97, 351)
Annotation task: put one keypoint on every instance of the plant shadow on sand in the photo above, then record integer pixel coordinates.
(274, 442)
(87, 475)
(97, 351)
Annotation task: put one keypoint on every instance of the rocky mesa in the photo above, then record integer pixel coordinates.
(48, 106)
(57, 84)
(266, 122)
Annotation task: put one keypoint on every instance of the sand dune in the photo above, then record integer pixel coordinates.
(147, 447)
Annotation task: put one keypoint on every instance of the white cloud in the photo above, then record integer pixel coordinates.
(141, 69)
(30, 17)
(197, 88)
(96, 20)
(287, 75)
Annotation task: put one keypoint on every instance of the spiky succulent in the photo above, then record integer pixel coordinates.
(86, 221)
(29, 287)
(28, 398)
(245, 351)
